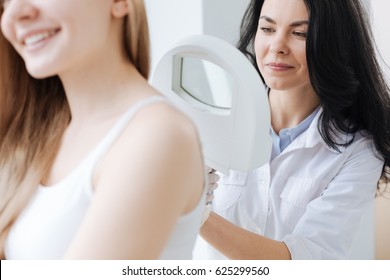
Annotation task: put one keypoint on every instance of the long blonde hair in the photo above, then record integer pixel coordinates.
(34, 114)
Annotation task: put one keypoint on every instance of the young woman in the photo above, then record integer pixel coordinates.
(330, 124)
(92, 158)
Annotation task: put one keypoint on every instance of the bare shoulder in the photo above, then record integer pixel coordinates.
(166, 116)
(161, 126)
(160, 143)
(163, 115)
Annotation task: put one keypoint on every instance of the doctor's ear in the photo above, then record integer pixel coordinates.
(120, 8)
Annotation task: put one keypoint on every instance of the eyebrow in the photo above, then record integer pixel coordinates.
(293, 24)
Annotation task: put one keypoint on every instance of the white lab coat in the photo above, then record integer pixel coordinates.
(310, 196)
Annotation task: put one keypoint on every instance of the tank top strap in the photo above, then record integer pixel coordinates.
(120, 125)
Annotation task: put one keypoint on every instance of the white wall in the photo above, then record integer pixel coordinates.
(222, 18)
(171, 20)
(381, 21)
(380, 12)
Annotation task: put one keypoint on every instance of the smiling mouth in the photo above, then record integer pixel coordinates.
(39, 37)
(279, 66)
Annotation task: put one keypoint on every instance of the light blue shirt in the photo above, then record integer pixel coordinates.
(287, 135)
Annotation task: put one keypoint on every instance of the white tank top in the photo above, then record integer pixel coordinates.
(48, 224)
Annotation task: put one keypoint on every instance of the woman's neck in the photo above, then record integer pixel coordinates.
(291, 107)
(102, 91)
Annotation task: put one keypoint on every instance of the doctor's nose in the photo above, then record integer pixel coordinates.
(278, 46)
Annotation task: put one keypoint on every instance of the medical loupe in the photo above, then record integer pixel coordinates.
(220, 90)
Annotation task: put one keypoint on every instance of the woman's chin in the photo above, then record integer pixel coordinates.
(39, 73)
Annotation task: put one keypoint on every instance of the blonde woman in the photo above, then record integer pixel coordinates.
(92, 158)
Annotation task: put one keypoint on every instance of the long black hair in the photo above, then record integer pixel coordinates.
(343, 69)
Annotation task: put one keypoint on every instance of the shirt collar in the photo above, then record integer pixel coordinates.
(313, 136)
(288, 135)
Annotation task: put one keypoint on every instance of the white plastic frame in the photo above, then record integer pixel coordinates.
(236, 139)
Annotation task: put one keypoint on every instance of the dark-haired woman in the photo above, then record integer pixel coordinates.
(331, 136)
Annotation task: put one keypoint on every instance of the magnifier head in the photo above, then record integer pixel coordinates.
(216, 85)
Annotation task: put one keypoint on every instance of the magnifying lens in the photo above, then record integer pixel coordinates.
(219, 89)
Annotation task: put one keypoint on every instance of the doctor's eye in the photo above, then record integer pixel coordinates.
(299, 34)
(267, 29)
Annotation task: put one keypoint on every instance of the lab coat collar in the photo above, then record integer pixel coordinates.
(312, 137)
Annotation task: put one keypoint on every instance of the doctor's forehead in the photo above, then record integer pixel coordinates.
(287, 10)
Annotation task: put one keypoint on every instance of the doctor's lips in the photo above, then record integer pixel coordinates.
(279, 66)
(35, 37)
